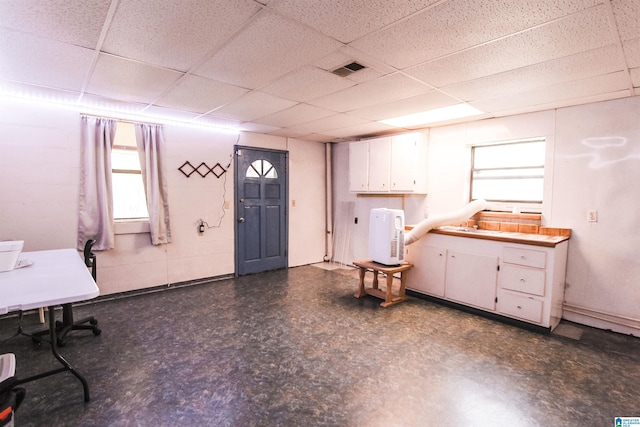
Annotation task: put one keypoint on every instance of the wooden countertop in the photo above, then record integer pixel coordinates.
(502, 236)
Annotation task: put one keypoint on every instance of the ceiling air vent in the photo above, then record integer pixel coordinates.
(345, 70)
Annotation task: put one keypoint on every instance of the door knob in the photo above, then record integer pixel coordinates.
(240, 219)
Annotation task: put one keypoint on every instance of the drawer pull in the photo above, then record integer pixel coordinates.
(522, 280)
(519, 307)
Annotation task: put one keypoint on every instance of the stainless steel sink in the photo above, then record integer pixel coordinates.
(468, 229)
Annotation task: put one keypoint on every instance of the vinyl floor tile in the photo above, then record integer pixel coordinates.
(295, 348)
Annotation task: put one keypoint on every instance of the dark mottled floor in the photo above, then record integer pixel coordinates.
(295, 348)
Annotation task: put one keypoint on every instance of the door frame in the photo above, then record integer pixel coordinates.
(236, 149)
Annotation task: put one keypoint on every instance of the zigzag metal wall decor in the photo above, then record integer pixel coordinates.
(203, 170)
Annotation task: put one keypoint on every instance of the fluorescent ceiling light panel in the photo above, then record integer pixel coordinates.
(433, 116)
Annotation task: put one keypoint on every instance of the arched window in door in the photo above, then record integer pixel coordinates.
(261, 168)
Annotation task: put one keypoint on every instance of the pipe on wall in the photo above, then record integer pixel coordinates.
(328, 242)
(460, 215)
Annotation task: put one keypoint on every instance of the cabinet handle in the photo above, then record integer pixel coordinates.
(523, 257)
(522, 280)
(519, 307)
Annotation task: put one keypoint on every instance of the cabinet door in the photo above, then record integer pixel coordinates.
(428, 272)
(358, 166)
(403, 162)
(472, 279)
(379, 164)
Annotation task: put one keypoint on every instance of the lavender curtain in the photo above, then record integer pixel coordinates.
(150, 141)
(95, 213)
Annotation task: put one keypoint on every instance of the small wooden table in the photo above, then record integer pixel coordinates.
(388, 297)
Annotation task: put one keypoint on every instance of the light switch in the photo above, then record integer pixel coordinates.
(592, 216)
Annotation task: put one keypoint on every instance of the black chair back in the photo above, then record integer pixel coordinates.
(90, 258)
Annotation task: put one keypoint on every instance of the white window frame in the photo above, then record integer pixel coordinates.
(129, 225)
(508, 205)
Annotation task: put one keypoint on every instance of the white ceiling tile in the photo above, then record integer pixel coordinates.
(635, 78)
(268, 48)
(307, 83)
(289, 133)
(426, 101)
(219, 122)
(193, 93)
(253, 105)
(128, 80)
(96, 102)
(317, 137)
(555, 93)
(581, 32)
(174, 33)
(297, 114)
(42, 62)
(626, 13)
(364, 75)
(346, 54)
(575, 67)
(508, 56)
(632, 52)
(329, 123)
(74, 22)
(384, 89)
(347, 20)
(364, 130)
(170, 113)
(452, 26)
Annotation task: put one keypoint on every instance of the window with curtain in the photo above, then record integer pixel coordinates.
(113, 185)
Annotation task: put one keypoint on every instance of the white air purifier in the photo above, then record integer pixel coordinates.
(386, 236)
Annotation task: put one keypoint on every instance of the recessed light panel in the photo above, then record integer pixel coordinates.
(433, 116)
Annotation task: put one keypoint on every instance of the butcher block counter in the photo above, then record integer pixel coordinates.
(548, 237)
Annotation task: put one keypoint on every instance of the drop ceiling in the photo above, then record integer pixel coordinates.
(266, 66)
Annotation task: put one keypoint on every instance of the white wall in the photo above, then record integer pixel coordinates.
(598, 168)
(593, 163)
(39, 172)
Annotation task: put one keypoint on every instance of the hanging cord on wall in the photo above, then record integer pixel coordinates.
(202, 223)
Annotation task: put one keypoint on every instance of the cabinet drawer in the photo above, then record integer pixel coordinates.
(520, 306)
(528, 257)
(522, 279)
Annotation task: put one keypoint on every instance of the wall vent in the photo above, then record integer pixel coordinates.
(345, 70)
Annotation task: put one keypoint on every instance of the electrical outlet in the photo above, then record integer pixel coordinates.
(226, 204)
(592, 216)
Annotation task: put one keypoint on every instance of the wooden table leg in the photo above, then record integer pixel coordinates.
(375, 279)
(403, 281)
(389, 297)
(361, 292)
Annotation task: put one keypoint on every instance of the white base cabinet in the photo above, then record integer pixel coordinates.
(515, 280)
(472, 279)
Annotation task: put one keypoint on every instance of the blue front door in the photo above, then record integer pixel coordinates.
(261, 210)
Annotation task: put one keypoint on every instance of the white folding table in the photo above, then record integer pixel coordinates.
(55, 277)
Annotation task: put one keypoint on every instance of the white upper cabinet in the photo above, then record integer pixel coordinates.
(359, 166)
(396, 164)
(379, 165)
